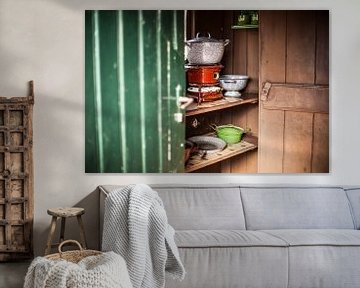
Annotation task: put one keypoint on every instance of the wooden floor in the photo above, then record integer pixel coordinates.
(12, 275)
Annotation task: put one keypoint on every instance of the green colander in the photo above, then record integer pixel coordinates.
(231, 134)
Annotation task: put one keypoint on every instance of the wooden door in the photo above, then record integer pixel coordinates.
(134, 63)
(294, 101)
(16, 178)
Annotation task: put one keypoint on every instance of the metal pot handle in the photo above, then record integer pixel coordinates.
(226, 42)
(216, 75)
(197, 35)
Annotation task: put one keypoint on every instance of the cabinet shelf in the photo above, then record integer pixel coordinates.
(249, 26)
(197, 162)
(227, 102)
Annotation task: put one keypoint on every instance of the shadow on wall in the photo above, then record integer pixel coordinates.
(72, 231)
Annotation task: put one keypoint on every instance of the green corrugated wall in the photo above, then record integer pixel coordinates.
(134, 73)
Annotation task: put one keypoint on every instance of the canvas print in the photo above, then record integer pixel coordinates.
(233, 91)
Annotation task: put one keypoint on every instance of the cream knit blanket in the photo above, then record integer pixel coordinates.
(136, 227)
(102, 271)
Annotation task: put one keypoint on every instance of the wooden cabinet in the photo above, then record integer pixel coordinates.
(289, 52)
(212, 112)
(241, 57)
(294, 113)
(16, 177)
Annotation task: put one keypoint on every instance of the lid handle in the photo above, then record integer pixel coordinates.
(198, 34)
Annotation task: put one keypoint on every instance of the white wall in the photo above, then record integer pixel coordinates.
(43, 40)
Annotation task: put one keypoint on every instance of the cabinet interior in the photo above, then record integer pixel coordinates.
(241, 56)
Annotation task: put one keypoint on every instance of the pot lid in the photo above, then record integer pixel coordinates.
(199, 39)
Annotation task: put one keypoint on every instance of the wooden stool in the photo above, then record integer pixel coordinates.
(64, 213)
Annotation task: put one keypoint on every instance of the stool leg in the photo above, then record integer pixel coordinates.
(82, 232)
(51, 235)
(62, 230)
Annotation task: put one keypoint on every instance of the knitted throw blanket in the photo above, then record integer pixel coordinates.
(103, 271)
(136, 227)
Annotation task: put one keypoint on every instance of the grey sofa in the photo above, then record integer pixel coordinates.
(242, 236)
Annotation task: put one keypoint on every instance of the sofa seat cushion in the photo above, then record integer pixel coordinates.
(226, 238)
(317, 237)
(322, 258)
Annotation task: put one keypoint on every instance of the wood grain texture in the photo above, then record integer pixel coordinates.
(214, 168)
(240, 52)
(272, 46)
(320, 157)
(300, 56)
(239, 118)
(252, 69)
(271, 141)
(252, 123)
(197, 162)
(297, 41)
(228, 33)
(16, 173)
(226, 164)
(298, 97)
(272, 61)
(226, 102)
(298, 133)
(322, 47)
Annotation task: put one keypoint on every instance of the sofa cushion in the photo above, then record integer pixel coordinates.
(218, 267)
(324, 266)
(191, 208)
(296, 208)
(354, 198)
(327, 258)
(317, 237)
(226, 238)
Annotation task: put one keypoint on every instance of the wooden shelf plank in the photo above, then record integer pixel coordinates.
(197, 162)
(248, 26)
(227, 102)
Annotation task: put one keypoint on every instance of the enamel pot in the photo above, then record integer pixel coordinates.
(205, 50)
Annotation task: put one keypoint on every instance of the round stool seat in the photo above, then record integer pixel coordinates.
(66, 211)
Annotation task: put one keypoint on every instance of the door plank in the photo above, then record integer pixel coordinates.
(272, 46)
(297, 97)
(320, 158)
(298, 142)
(322, 47)
(271, 137)
(300, 60)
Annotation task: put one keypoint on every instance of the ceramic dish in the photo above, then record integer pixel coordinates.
(208, 144)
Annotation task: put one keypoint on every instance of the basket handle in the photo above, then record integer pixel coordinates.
(69, 241)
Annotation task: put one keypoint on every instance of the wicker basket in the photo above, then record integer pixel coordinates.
(72, 256)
